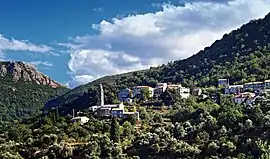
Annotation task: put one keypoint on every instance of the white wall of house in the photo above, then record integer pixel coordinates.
(151, 92)
(82, 120)
(93, 108)
(184, 92)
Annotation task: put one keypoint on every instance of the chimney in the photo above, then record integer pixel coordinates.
(73, 113)
(101, 95)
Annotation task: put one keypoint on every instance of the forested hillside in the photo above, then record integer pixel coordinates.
(198, 130)
(242, 55)
(24, 91)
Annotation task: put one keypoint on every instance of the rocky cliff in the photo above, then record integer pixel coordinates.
(19, 71)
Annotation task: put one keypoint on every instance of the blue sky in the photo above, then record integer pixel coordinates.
(114, 36)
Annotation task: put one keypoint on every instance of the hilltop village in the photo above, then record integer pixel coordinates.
(129, 96)
(239, 94)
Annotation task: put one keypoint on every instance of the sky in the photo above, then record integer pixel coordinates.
(76, 42)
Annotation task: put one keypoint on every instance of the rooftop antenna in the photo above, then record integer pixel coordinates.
(101, 95)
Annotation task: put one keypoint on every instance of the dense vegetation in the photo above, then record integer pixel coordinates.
(241, 56)
(198, 129)
(19, 100)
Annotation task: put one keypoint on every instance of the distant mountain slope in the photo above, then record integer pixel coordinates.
(242, 55)
(19, 71)
(24, 90)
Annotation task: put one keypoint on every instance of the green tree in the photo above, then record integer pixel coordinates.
(157, 118)
(144, 115)
(127, 129)
(115, 130)
(264, 149)
(145, 94)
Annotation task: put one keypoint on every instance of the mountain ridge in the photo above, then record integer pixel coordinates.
(241, 55)
(20, 71)
(24, 90)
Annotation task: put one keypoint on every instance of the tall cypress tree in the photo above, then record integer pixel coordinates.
(115, 130)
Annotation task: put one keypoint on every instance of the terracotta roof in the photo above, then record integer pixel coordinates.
(116, 109)
(174, 85)
(235, 86)
(161, 84)
(106, 106)
(130, 112)
(257, 82)
(245, 95)
(142, 87)
(253, 83)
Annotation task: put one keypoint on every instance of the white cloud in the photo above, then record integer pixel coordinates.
(41, 63)
(99, 62)
(21, 45)
(101, 9)
(157, 5)
(143, 40)
(79, 80)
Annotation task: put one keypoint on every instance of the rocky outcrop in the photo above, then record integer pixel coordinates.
(19, 71)
(3, 71)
